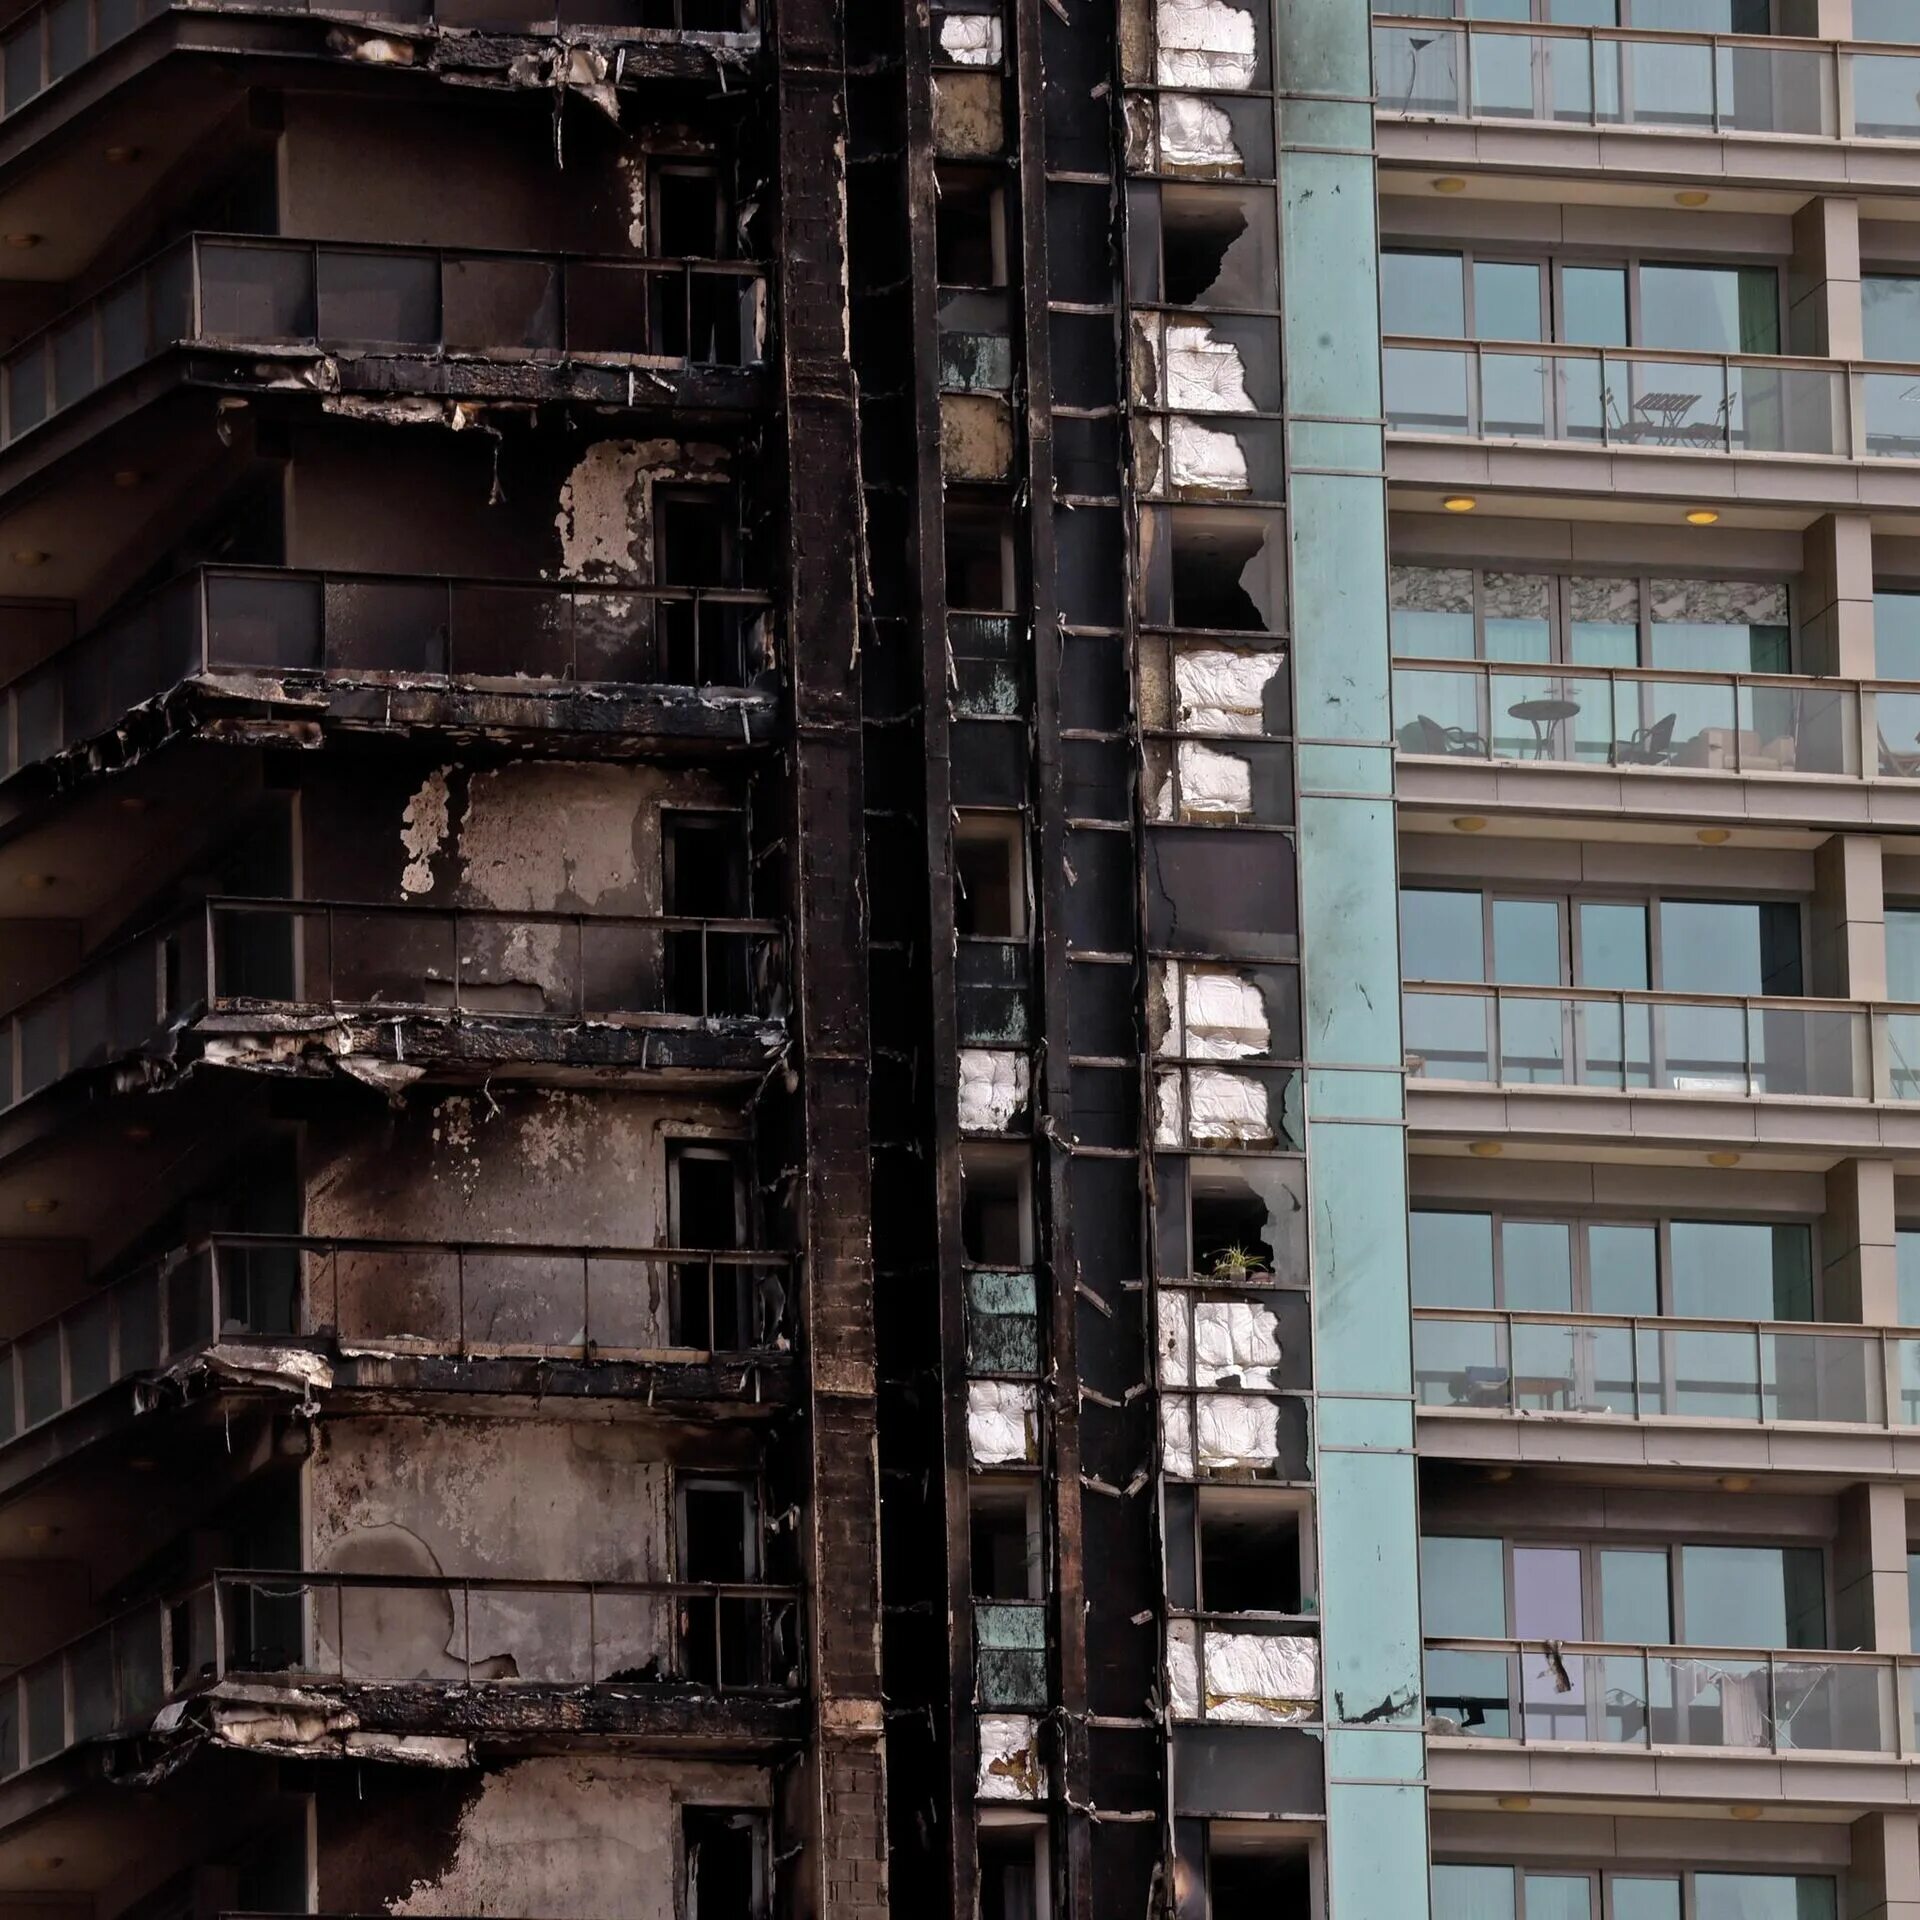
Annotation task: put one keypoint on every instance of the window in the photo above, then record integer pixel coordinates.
(1890, 315)
(1896, 635)
(1692, 625)
(689, 213)
(1013, 1879)
(711, 1306)
(706, 878)
(1894, 20)
(717, 1541)
(996, 1206)
(1633, 1593)
(1664, 16)
(1684, 306)
(970, 231)
(696, 544)
(1907, 1245)
(725, 1849)
(990, 876)
(979, 556)
(1509, 1893)
(1235, 1550)
(1679, 946)
(1004, 1530)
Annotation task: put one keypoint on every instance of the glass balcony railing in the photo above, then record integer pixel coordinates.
(1670, 82)
(507, 965)
(1537, 1037)
(229, 620)
(319, 1627)
(1605, 717)
(1701, 403)
(213, 290)
(551, 1302)
(1643, 1369)
(1743, 1700)
(47, 43)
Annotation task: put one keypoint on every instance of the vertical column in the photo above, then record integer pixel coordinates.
(1870, 1569)
(1356, 1140)
(838, 1797)
(1836, 597)
(1884, 1883)
(1849, 920)
(1860, 1281)
(1823, 280)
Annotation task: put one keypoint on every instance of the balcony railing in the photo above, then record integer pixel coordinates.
(1745, 1700)
(213, 290)
(1626, 1368)
(402, 1297)
(1537, 1037)
(1670, 82)
(47, 43)
(735, 1637)
(553, 966)
(261, 620)
(1604, 717)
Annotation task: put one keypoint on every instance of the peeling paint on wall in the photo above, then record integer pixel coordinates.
(423, 831)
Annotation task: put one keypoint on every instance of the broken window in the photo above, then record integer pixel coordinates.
(707, 1195)
(1249, 1551)
(1004, 1533)
(705, 855)
(979, 555)
(970, 230)
(1218, 568)
(1013, 1880)
(726, 1863)
(1203, 246)
(1214, 891)
(1187, 457)
(696, 545)
(1242, 1870)
(996, 1206)
(990, 877)
(691, 16)
(1230, 1219)
(722, 1636)
(688, 204)
(1207, 363)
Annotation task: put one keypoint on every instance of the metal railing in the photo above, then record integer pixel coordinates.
(1670, 82)
(730, 1637)
(47, 43)
(242, 620)
(402, 1297)
(1609, 1694)
(1629, 1367)
(1619, 717)
(564, 966)
(220, 289)
(1538, 1036)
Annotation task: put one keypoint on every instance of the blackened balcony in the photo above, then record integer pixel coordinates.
(239, 982)
(421, 1655)
(699, 1322)
(677, 662)
(670, 317)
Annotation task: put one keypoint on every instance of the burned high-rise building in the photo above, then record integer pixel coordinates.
(959, 960)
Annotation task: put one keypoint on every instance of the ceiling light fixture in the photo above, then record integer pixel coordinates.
(1703, 517)
(1745, 1811)
(1713, 836)
(41, 1203)
(1449, 183)
(1514, 1803)
(1460, 503)
(1469, 823)
(1485, 1149)
(127, 478)
(123, 156)
(1723, 1159)
(1736, 1483)
(23, 240)
(1693, 197)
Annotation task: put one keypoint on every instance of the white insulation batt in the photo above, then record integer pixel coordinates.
(1213, 785)
(1203, 43)
(1205, 458)
(1003, 1423)
(970, 39)
(993, 1088)
(1218, 1430)
(1218, 1343)
(1250, 1679)
(1204, 375)
(1212, 1015)
(1215, 691)
(1220, 1108)
(1195, 133)
(1010, 1763)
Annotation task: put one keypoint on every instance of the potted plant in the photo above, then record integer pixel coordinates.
(1236, 1265)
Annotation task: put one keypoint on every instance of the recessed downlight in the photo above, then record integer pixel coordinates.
(1713, 836)
(1703, 517)
(1513, 1803)
(1736, 1483)
(42, 1204)
(31, 556)
(1485, 1149)
(1692, 197)
(1469, 823)
(1449, 183)
(1745, 1811)
(1727, 1159)
(1459, 503)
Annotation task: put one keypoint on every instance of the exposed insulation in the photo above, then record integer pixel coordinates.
(1244, 1679)
(1174, 1327)
(970, 39)
(1218, 1109)
(1214, 1431)
(1010, 1763)
(1205, 459)
(1003, 1423)
(1235, 1343)
(1213, 1014)
(1204, 375)
(1203, 43)
(994, 1084)
(1216, 691)
(1196, 136)
(1212, 784)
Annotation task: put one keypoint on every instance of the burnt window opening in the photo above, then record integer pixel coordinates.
(709, 969)
(979, 556)
(692, 16)
(1249, 1548)
(1230, 1218)
(689, 208)
(708, 1195)
(1218, 569)
(726, 1863)
(1013, 1881)
(1254, 1872)
(693, 316)
(254, 953)
(970, 231)
(723, 1637)
(271, 1873)
(1212, 246)
(696, 543)
(1003, 1525)
(990, 877)
(996, 1206)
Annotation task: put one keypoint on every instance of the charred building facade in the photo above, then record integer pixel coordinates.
(703, 1137)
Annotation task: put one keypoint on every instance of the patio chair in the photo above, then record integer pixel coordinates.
(1460, 742)
(1649, 747)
